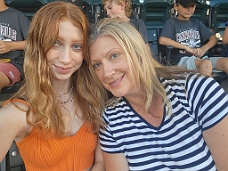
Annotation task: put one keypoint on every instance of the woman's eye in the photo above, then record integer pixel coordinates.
(96, 65)
(115, 55)
(56, 44)
(77, 47)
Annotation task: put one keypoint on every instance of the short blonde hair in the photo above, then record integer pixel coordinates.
(128, 9)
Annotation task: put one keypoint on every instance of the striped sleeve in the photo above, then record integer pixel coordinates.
(208, 100)
(107, 141)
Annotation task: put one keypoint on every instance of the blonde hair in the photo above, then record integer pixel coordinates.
(38, 89)
(143, 67)
(128, 9)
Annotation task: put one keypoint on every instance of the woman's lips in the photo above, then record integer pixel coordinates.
(117, 82)
(63, 70)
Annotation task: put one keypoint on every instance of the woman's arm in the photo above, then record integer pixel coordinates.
(114, 162)
(13, 126)
(217, 141)
(99, 163)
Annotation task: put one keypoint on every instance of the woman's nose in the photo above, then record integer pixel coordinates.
(65, 55)
(109, 71)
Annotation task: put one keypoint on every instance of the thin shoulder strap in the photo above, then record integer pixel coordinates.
(15, 100)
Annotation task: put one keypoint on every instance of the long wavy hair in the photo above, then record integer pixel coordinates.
(127, 9)
(38, 90)
(145, 70)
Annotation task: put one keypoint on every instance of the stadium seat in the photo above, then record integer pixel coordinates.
(153, 42)
(213, 2)
(11, 89)
(99, 11)
(12, 160)
(154, 13)
(202, 13)
(28, 7)
(76, 2)
(85, 5)
(88, 10)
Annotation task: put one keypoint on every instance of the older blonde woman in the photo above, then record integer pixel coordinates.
(160, 118)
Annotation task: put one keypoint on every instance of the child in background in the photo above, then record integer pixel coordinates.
(122, 9)
(191, 39)
(14, 26)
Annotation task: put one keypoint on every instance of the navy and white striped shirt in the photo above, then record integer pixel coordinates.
(198, 104)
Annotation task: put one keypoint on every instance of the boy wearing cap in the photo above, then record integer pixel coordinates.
(191, 39)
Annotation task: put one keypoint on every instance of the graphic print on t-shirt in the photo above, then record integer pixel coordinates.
(7, 33)
(189, 37)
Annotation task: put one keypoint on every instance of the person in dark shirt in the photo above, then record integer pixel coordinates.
(14, 26)
(191, 39)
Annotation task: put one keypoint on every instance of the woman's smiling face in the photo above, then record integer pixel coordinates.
(65, 57)
(111, 66)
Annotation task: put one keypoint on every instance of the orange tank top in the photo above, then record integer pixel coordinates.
(73, 153)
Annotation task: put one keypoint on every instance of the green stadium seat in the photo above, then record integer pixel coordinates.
(88, 10)
(154, 13)
(85, 5)
(28, 7)
(99, 11)
(202, 13)
(12, 160)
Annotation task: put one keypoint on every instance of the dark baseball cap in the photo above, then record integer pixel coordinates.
(185, 3)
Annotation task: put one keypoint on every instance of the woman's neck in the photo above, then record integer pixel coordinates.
(63, 87)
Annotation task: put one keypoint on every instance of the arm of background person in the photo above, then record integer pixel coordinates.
(217, 141)
(114, 162)
(6, 46)
(99, 163)
(211, 43)
(199, 52)
(225, 36)
(169, 42)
